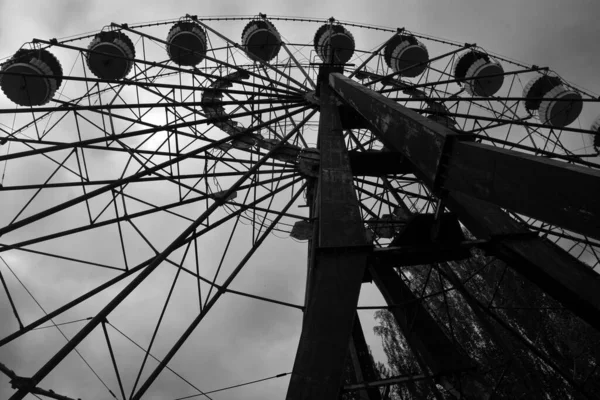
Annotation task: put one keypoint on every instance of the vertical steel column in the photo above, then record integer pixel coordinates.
(336, 273)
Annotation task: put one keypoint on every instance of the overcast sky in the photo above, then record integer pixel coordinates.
(560, 34)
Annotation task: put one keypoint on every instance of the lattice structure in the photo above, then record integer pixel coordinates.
(171, 155)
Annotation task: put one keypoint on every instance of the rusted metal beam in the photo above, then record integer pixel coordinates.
(362, 362)
(438, 159)
(419, 328)
(336, 273)
(430, 345)
(378, 163)
(545, 189)
(554, 270)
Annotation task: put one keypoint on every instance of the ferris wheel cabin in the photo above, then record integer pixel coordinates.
(480, 75)
(32, 77)
(111, 55)
(406, 55)
(563, 105)
(334, 39)
(261, 41)
(187, 43)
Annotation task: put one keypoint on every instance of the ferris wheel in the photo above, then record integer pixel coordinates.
(148, 170)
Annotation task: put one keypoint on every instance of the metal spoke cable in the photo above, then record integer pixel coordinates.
(236, 386)
(56, 326)
(62, 323)
(156, 359)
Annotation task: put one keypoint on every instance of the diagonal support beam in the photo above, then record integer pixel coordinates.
(337, 270)
(545, 189)
(439, 160)
(554, 270)
(362, 362)
(423, 334)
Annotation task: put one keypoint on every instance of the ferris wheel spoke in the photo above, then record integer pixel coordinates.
(130, 271)
(66, 106)
(62, 146)
(292, 133)
(367, 210)
(269, 205)
(235, 45)
(10, 298)
(197, 136)
(270, 210)
(299, 126)
(569, 158)
(298, 65)
(163, 65)
(178, 242)
(466, 79)
(124, 218)
(374, 54)
(144, 166)
(106, 188)
(447, 68)
(86, 181)
(160, 319)
(210, 304)
(217, 61)
(213, 282)
(390, 77)
(113, 359)
(374, 196)
(49, 316)
(194, 112)
(38, 191)
(386, 182)
(507, 121)
(201, 393)
(72, 259)
(51, 393)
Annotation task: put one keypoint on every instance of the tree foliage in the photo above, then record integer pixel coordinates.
(522, 342)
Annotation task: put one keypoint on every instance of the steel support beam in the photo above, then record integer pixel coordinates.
(430, 345)
(545, 189)
(378, 163)
(362, 362)
(439, 160)
(554, 270)
(336, 273)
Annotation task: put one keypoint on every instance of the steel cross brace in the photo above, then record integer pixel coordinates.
(476, 180)
(337, 267)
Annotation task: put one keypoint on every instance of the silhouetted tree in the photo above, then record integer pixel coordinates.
(523, 343)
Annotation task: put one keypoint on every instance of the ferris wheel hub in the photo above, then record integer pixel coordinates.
(312, 98)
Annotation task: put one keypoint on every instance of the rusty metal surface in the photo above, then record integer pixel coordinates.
(340, 221)
(561, 194)
(378, 163)
(336, 274)
(555, 192)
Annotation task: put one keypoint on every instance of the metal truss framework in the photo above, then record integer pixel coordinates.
(474, 181)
